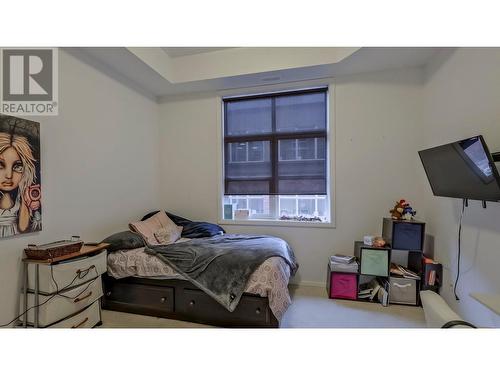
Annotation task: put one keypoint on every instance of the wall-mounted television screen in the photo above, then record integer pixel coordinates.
(462, 169)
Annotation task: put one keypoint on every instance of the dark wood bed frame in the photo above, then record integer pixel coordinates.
(181, 300)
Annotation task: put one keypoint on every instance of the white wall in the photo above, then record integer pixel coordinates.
(100, 166)
(462, 99)
(377, 125)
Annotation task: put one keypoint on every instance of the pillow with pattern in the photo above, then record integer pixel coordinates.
(168, 235)
(149, 227)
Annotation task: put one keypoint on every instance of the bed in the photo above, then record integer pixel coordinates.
(142, 281)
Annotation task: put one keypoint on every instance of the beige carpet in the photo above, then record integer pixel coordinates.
(311, 308)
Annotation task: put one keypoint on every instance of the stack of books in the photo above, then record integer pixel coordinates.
(369, 291)
(432, 278)
(383, 293)
(344, 263)
(375, 288)
(397, 269)
(432, 275)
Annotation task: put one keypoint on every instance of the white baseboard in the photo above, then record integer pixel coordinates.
(308, 283)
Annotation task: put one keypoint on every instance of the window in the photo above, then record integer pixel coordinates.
(275, 156)
(288, 206)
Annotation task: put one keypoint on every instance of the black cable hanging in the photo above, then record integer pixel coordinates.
(464, 204)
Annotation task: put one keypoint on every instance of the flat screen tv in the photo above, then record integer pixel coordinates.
(462, 169)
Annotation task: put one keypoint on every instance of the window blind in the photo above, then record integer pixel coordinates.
(276, 144)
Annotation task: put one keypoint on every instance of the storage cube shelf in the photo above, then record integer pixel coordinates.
(407, 238)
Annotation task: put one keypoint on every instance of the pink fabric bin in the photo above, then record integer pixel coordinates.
(343, 285)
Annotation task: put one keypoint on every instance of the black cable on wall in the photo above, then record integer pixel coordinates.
(464, 204)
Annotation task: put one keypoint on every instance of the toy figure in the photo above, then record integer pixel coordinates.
(397, 211)
(378, 242)
(402, 211)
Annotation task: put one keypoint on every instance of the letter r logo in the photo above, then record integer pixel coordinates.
(27, 74)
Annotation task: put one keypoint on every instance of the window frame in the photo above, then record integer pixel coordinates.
(276, 90)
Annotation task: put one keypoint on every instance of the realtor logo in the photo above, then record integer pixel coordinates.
(29, 81)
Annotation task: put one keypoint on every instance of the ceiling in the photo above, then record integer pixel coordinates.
(161, 72)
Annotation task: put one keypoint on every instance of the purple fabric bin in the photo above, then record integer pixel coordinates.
(343, 285)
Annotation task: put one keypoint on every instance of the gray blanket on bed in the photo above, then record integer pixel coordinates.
(221, 265)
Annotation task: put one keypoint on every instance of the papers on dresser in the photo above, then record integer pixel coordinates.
(344, 267)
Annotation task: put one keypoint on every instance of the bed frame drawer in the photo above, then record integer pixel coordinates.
(154, 299)
(184, 301)
(200, 306)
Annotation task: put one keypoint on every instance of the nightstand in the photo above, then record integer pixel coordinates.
(63, 292)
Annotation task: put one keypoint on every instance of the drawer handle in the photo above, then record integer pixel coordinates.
(257, 310)
(191, 303)
(163, 299)
(83, 273)
(81, 323)
(401, 285)
(82, 298)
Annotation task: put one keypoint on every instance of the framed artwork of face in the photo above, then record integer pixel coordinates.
(20, 183)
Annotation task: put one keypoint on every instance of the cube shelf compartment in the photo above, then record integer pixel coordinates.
(403, 291)
(374, 261)
(438, 279)
(342, 285)
(404, 234)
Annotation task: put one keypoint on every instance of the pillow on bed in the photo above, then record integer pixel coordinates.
(124, 241)
(192, 229)
(198, 229)
(178, 220)
(168, 235)
(149, 227)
